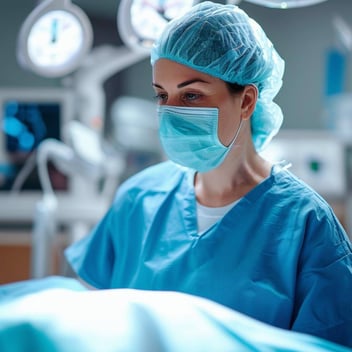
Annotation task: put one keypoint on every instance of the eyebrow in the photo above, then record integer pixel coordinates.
(186, 83)
(183, 84)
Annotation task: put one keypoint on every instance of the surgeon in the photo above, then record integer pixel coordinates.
(217, 220)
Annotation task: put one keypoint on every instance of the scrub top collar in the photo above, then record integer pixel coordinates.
(189, 205)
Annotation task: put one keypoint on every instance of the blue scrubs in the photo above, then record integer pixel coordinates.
(279, 255)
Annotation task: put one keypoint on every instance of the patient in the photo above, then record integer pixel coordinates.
(59, 314)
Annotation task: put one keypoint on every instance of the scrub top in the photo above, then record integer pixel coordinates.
(279, 255)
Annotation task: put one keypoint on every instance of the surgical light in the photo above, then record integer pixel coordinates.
(54, 38)
(285, 4)
(141, 21)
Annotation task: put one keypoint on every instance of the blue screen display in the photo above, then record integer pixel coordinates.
(24, 126)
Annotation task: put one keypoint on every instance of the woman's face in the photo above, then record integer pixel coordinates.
(179, 85)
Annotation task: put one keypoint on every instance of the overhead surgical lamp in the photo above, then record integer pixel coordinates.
(282, 4)
(141, 21)
(54, 38)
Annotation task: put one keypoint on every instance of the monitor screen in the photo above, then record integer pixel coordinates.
(24, 125)
(27, 117)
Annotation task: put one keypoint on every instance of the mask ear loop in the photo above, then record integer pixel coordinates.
(240, 125)
(236, 134)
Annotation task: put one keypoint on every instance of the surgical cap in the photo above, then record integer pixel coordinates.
(224, 42)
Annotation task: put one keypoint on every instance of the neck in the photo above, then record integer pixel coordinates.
(242, 170)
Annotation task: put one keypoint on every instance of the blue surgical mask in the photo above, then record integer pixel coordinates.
(189, 136)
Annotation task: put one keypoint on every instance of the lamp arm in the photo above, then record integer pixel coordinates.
(103, 62)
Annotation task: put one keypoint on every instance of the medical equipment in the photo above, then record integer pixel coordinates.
(135, 124)
(87, 87)
(27, 117)
(36, 155)
(140, 22)
(134, 127)
(80, 162)
(317, 157)
(283, 4)
(83, 159)
(54, 38)
(320, 158)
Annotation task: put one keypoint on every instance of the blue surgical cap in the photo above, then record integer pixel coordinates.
(224, 42)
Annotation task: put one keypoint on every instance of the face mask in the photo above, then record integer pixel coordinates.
(189, 136)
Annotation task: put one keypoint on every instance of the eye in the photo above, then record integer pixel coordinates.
(161, 98)
(190, 97)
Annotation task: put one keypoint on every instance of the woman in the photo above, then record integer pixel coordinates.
(218, 221)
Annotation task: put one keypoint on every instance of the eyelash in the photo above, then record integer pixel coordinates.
(160, 97)
(186, 97)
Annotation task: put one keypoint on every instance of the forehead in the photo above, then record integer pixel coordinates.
(167, 71)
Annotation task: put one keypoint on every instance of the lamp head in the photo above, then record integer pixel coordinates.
(285, 4)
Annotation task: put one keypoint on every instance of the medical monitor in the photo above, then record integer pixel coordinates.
(27, 117)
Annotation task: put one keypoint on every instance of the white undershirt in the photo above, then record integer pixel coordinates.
(208, 216)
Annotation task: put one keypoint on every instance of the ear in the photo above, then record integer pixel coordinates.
(249, 99)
